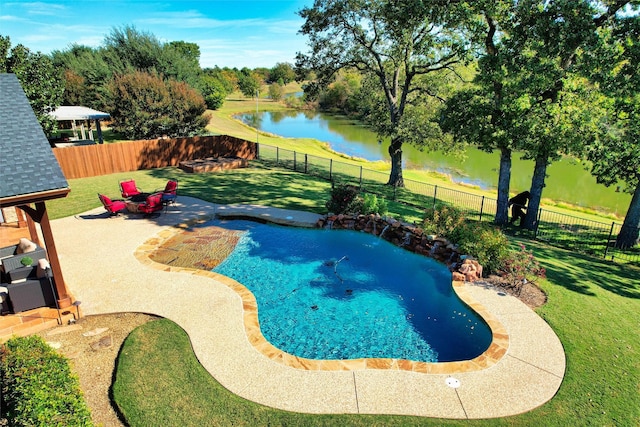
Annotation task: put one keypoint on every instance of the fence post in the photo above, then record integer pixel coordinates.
(535, 231)
(435, 195)
(306, 162)
(257, 151)
(361, 177)
(606, 248)
(277, 156)
(481, 208)
(331, 170)
(294, 161)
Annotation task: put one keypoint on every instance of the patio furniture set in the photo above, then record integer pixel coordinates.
(26, 281)
(136, 201)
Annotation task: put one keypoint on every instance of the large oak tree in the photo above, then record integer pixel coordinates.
(615, 65)
(397, 42)
(527, 95)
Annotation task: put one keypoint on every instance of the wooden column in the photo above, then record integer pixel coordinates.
(40, 215)
(20, 216)
(64, 299)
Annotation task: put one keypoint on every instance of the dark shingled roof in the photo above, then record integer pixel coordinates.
(27, 163)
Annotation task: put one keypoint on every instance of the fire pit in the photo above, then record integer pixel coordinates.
(213, 164)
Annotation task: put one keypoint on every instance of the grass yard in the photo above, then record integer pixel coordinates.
(594, 307)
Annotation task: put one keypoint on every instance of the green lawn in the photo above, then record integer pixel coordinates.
(594, 307)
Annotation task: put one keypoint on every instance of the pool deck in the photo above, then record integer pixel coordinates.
(106, 266)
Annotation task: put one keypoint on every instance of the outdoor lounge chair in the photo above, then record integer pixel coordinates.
(170, 193)
(112, 206)
(153, 203)
(129, 188)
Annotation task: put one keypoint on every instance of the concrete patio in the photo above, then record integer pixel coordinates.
(106, 266)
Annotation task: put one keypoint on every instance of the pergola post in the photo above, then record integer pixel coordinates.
(40, 215)
(99, 130)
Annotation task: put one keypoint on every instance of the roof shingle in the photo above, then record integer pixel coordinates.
(27, 163)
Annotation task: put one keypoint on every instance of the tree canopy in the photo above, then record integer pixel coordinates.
(396, 43)
(528, 94)
(39, 79)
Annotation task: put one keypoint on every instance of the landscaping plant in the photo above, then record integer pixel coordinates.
(37, 386)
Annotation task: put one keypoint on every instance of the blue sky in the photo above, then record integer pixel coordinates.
(230, 33)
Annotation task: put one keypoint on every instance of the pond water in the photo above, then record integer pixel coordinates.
(567, 179)
(338, 294)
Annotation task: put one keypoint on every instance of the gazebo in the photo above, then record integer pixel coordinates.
(29, 173)
(76, 114)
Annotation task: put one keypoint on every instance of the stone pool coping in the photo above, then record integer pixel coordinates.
(522, 370)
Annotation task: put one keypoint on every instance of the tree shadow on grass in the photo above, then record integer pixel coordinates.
(578, 272)
(255, 185)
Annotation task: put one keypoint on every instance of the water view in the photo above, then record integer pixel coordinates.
(567, 179)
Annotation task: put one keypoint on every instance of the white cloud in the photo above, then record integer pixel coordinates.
(38, 8)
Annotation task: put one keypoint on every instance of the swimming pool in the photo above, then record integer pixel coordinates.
(327, 294)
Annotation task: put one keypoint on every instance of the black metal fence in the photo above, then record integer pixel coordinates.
(567, 231)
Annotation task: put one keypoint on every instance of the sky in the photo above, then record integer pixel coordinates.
(238, 33)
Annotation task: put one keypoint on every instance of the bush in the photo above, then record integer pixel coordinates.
(485, 242)
(520, 267)
(344, 199)
(38, 388)
(371, 204)
(143, 105)
(443, 221)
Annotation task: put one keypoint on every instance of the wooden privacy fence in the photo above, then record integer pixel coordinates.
(93, 160)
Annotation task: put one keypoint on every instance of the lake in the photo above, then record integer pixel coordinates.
(567, 179)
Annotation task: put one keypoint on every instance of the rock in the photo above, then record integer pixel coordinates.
(471, 270)
(95, 332)
(457, 277)
(102, 343)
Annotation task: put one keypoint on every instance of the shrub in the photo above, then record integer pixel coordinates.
(443, 221)
(371, 204)
(143, 105)
(37, 386)
(344, 199)
(520, 267)
(484, 242)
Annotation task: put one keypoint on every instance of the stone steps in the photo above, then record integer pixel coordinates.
(31, 322)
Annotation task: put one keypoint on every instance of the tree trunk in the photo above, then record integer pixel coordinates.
(504, 180)
(395, 151)
(537, 185)
(628, 236)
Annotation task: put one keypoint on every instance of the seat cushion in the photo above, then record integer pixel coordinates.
(25, 246)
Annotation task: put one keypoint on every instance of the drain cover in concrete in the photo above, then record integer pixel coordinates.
(452, 382)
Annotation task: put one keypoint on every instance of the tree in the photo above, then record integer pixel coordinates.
(276, 91)
(249, 84)
(282, 72)
(39, 79)
(213, 91)
(565, 112)
(144, 105)
(394, 41)
(615, 65)
(127, 49)
(85, 75)
(526, 95)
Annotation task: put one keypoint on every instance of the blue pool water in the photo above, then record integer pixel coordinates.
(329, 294)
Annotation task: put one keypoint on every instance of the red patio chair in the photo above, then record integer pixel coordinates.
(129, 188)
(170, 192)
(112, 206)
(153, 203)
